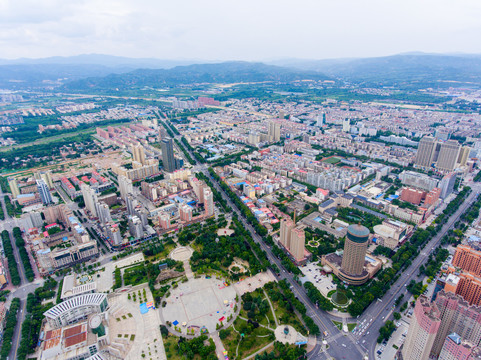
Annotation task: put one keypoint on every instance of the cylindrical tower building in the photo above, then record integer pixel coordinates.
(355, 249)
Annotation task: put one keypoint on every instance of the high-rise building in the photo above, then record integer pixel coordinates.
(185, 212)
(136, 228)
(320, 119)
(346, 125)
(103, 212)
(34, 219)
(447, 185)
(418, 180)
(422, 331)
(125, 187)
(90, 199)
(455, 348)
(164, 221)
(12, 182)
(274, 131)
(355, 248)
(467, 285)
(131, 203)
(298, 242)
(45, 176)
(448, 155)
(285, 232)
(208, 202)
(432, 197)
(44, 192)
(254, 138)
(463, 155)
(198, 187)
(457, 316)
(467, 259)
(168, 159)
(425, 155)
(138, 154)
(114, 234)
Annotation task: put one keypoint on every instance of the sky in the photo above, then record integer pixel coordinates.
(238, 30)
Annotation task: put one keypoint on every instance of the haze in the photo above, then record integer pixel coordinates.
(246, 30)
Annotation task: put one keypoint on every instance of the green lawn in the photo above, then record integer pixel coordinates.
(253, 340)
(350, 326)
(332, 160)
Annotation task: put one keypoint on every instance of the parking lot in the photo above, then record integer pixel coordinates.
(398, 337)
(313, 272)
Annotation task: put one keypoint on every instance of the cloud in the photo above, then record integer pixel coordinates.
(251, 29)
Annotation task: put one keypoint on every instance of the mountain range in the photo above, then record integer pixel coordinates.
(88, 72)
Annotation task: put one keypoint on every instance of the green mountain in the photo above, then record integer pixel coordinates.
(226, 72)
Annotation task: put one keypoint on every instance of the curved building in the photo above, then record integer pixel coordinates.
(354, 257)
(75, 309)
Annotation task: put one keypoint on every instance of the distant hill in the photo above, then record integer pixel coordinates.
(108, 61)
(413, 69)
(104, 72)
(21, 76)
(24, 73)
(226, 72)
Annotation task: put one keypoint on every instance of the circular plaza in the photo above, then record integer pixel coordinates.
(198, 306)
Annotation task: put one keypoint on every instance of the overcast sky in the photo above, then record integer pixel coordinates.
(238, 30)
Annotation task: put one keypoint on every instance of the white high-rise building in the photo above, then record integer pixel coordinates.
(90, 199)
(346, 125)
(125, 187)
(44, 192)
(136, 228)
(132, 203)
(320, 120)
(103, 212)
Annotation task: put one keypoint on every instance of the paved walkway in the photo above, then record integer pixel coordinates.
(272, 308)
(219, 346)
(188, 270)
(259, 351)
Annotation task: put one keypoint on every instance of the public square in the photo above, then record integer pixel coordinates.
(199, 304)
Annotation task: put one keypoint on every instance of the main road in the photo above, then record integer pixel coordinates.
(25, 287)
(339, 347)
